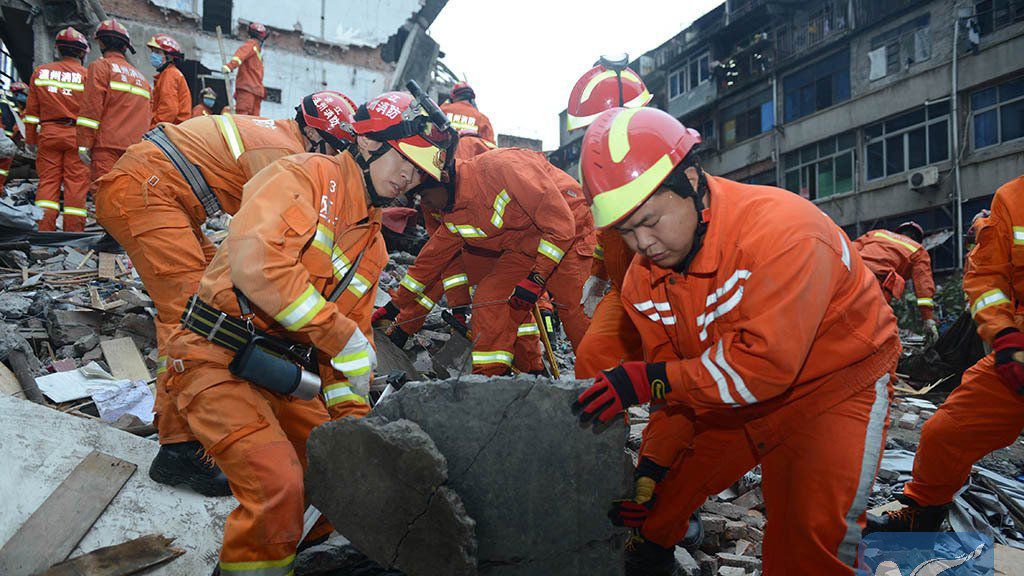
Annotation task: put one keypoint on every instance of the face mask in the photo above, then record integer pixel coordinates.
(208, 102)
(156, 59)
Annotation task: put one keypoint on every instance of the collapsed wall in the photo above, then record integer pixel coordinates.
(478, 475)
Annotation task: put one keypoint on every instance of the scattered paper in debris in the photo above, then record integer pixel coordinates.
(130, 397)
(76, 384)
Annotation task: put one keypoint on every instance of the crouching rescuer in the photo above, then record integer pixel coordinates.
(748, 358)
(276, 341)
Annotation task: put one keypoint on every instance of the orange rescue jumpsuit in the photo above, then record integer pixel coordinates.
(201, 110)
(769, 364)
(982, 414)
(530, 217)
(172, 100)
(10, 127)
(466, 118)
(893, 258)
(304, 220)
(115, 111)
(249, 91)
(611, 338)
(146, 205)
(54, 96)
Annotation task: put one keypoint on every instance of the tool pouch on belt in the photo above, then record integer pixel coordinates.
(265, 363)
(893, 285)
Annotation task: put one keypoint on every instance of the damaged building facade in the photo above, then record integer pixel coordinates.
(359, 49)
(851, 104)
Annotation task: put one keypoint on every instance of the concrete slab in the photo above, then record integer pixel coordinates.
(40, 447)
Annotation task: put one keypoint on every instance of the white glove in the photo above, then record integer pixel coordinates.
(593, 291)
(931, 330)
(85, 155)
(357, 361)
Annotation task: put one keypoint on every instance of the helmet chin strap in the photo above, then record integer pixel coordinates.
(679, 183)
(376, 200)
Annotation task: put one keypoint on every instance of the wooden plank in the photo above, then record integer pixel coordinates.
(107, 266)
(1009, 561)
(58, 525)
(121, 559)
(88, 256)
(124, 359)
(9, 385)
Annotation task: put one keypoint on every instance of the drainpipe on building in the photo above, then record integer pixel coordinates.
(777, 156)
(955, 117)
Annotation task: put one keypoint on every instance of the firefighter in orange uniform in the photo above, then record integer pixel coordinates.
(755, 361)
(55, 93)
(986, 412)
(172, 100)
(309, 226)
(611, 338)
(10, 112)
(248, 60)
(154, 203)
(895, 257)
(208, 98)
(467, 270)
(115, 110)
(464, 115)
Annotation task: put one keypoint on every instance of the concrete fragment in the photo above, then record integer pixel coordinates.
(14, 305)
(751, 499)
(86, 343)
(67, 326)
(745, 562)
(713, 524)
(708, 563)
(419, 525)
(888, 476)
(731, 571)
(909, 421)
(454, 358)
(688, 566)
(730, 511)
(36, 461)
(535, 482)
(742, 547)
(734, 530)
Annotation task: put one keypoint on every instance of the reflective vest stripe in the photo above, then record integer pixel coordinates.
(88, 122)
(492, 357)
(990, 298)
(925, 302)
(551, 251)
(58, 84)
(886, 236)
(75, 211)
(129, 88)
(455, 280)
(323, 239)
(1018, 235)
(29, 119)
(354, 364)
(302, 310)
(425, 302)
(359, 285)
(161, 364)
(411, 284)
(48, 204)
(229, 130)
(282, 567)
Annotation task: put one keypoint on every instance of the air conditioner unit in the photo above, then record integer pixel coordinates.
(924, 178)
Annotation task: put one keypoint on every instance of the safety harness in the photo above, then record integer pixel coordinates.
(189, 171)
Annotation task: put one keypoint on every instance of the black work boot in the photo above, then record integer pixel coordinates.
(913, 518)
(645, 558)
(694, 532)
(183, 463)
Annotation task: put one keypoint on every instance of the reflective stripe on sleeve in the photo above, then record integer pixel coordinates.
(468, 231)
(599, 252)
(359, 285)
(502, 200)
(411, 284)
(3, 172)
(528, 329)
(282, 567)
(302, 310)
(29, 119)
(990, 298)
(551, 251)
(355, 364)
(1018, 235)
(161, 365)
(323, 239)
(337, 393)
(925, 302)
(427, 303)
(229, 130)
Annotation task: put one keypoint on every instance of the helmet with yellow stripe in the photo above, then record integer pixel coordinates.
(609, 84)
(627, 154)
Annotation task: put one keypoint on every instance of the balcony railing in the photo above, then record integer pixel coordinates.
(808, 30)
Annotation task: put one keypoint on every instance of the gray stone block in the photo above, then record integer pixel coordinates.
(14, 305)
(382, 485)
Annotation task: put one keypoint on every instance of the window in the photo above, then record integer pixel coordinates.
(821, 169)
(748, 118)
(998, 113)
(696, 71)
(818, 86)
(904, 44)
(273, 95)
(996, 14)
(910, 140)
(766, 178)
(217, 13)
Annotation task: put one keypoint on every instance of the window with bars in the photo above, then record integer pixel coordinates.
(907, 141)
(695, 72)
(998, 113)
(747, 118)
(995, 14)
(821, 169)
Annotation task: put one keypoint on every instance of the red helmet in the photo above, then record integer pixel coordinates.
(114, 29)
(462, 91)
(19, 88)
(257, 30)
(165, 44)
(912, 230)
(625, 156)
(330, 114)
(71, 38)
(598, 90)
(397, 119)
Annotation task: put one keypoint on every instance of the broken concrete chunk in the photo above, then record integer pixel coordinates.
(86, 343)
(742, 562)
(390, 476)
(909, 421)
(535, 482)
(687, 565)
(67, 326)
(731, 571)
(14, 305)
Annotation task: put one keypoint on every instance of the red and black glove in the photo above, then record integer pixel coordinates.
(1011, 372)
(386, 312)
(527, 292)
(632, 513)
(614, 390)
(461, 313)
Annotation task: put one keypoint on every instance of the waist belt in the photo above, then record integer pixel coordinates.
(234, 333)
(189, 171)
